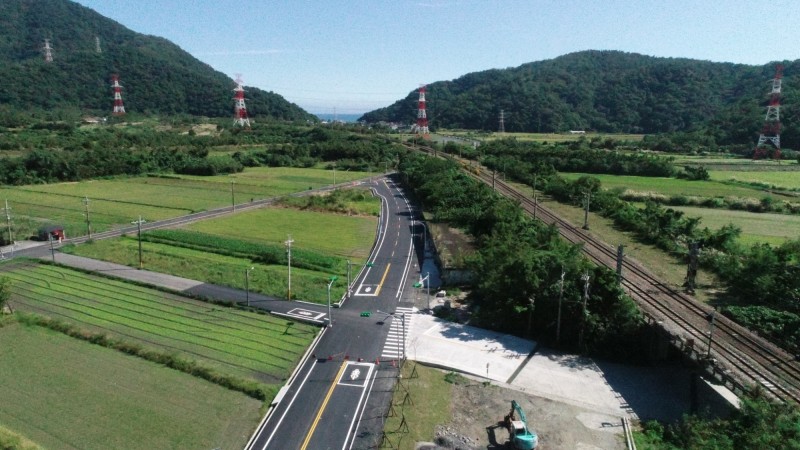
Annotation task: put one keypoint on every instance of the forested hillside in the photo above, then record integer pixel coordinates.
(157, 75)
(611, 91)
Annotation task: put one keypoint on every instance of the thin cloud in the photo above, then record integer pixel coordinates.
(242, 52)
(435, 4)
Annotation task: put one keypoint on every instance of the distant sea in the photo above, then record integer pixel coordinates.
(342, 117)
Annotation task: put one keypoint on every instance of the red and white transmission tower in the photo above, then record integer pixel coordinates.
(239, 108)
(771, 131)
(48, 51)
(119, 108)
(422, 116)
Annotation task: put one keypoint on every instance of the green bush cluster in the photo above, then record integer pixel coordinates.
(12, 441)
(780, 327)
(758, 424)
(765, 204)
(587, 156)
(190, 367)
(342, 201)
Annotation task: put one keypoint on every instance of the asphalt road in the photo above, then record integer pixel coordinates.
(341, 392)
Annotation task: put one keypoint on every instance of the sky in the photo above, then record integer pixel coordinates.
(354, 56)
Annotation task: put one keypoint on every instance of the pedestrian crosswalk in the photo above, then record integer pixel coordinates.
(397, 340)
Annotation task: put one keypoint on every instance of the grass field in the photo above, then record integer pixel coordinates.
(756, 227)
(260, 348)
(431, 394)
(64, 393)
(775, 179)
(733, 160)
(348, 237)
(117, 202)
(674, 186)
(345, 236)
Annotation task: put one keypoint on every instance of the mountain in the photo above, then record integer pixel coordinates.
(157, 76)
(610, 91)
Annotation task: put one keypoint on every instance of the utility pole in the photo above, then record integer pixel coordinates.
(560, 298)
(138, 224)
(585, 278)
(586, 210)
(534, 195)
(7, 209)
(620, 259)
(247, 285)
(348, 278)
(422, 283)
(288, 243)
(233, 201)
(330, 318)
(334, 175)
(710, 318)
(403, 318)
(691, 271)
(88, 222)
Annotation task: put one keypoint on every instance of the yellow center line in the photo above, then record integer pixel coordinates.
(324, 404)
(380, 285)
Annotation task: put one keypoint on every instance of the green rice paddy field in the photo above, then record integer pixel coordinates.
(237, 343)
(61, 392)
(65, 393)
(116, 202)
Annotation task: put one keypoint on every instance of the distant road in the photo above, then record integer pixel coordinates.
(341, 392)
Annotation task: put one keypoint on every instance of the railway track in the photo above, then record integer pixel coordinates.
(730, 352)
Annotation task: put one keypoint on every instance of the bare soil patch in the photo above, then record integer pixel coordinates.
(478, 409)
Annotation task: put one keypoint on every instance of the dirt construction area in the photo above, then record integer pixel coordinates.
(479, 408)
(571, 402)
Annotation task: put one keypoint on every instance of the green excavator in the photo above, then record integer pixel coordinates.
(521, 437)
